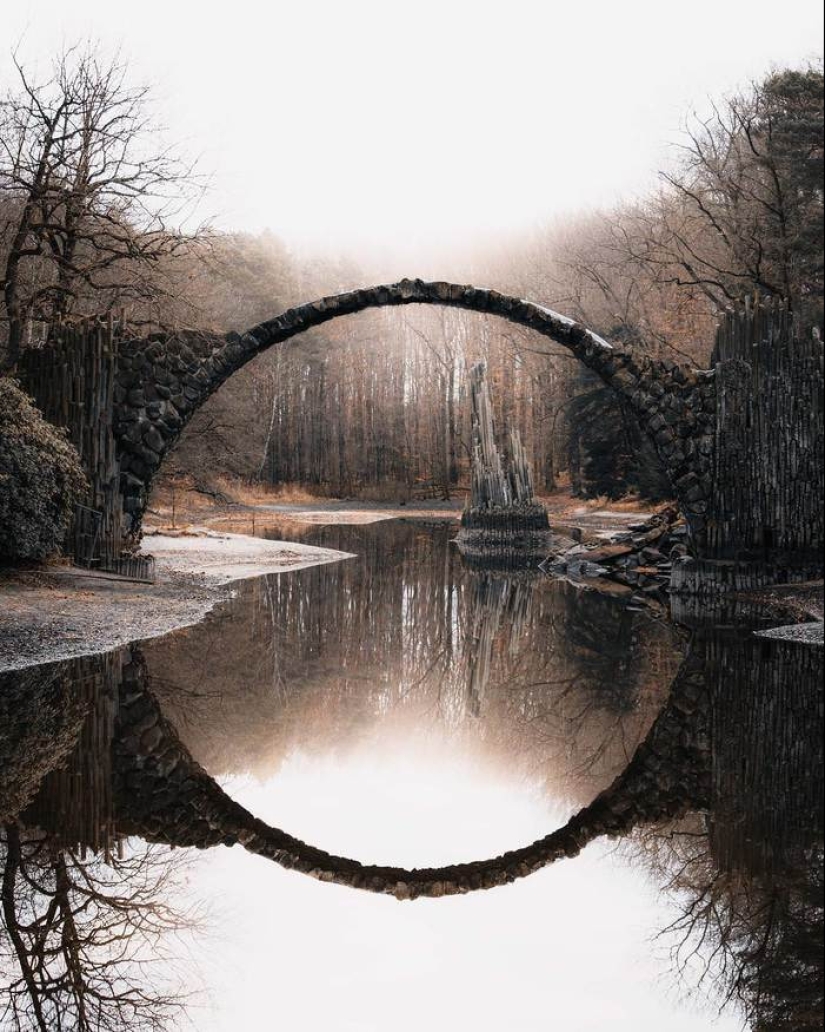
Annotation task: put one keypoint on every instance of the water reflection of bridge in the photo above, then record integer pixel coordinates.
(723, 793)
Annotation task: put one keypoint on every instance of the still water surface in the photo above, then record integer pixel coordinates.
(402, 709)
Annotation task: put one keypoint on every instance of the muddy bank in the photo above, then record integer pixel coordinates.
(60, 612)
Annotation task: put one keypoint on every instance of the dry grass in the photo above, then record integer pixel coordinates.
(630, 503)
(241, 492)
(182, 500)
(564, 501)
(227, 502)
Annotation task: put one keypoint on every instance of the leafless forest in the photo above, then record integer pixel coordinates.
(95, 218)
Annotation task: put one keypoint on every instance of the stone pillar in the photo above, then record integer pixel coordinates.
(765, 514)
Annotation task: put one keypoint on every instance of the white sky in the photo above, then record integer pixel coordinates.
(401, 127)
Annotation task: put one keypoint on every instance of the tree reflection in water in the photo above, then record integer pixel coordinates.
(86, 941)
(87, 921)
(558, 681)
(747, 874)
(728, 815)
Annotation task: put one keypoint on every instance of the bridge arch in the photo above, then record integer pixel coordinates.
(163, 381)
(163, 795)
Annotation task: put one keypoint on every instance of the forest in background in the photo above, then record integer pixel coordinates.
(375, 406)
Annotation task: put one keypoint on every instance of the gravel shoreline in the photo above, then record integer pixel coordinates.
(61, 612)
(803, 634)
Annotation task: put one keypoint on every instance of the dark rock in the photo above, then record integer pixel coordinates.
(154, 440)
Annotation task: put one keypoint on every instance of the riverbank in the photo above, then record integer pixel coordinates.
(59, 612)
(255, 512)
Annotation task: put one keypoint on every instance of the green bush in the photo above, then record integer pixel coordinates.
(41, 479)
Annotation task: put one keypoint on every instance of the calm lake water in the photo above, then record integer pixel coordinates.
(402, 709)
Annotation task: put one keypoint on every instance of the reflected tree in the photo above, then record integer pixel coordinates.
(554, 679)
(758, 943)
(746, 873)
(86, 942)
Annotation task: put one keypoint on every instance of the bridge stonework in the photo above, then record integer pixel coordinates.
(708, 749)
(741, 442)
(163, 380)
(163, 795)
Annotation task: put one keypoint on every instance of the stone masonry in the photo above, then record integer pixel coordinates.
(164, 379)
(163, 795)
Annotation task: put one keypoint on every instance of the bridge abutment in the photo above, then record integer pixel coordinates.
(764, 518)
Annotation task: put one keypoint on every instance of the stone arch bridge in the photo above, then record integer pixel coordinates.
(741, 442)
(162, 381)
(141, 780)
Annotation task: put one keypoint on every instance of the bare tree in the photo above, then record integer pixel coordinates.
(84, 937)
(756, 942)
(90, 201)
(744, 210)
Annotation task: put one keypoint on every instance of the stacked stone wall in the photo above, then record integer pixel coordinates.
(72, 379)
